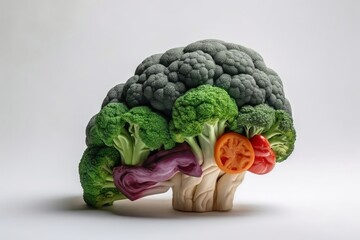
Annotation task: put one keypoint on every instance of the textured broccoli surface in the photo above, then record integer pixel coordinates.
(162, 78)
(281, 135)
(96, 177)
(114, 95)
(191, 94)
(201, 116)
(275, 125)
(254, 120)
(134, 133)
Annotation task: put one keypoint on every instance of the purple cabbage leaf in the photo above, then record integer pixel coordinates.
(152, 177)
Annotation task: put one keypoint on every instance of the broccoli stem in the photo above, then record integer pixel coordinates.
(225, 190)
(272, 132)
(140, 151)
(133, 151)
(277, 144)
(198, 194)
(109, 184)
(183, 191)
(124, 145)
(204, 193)
(252, 131)
(107, 169)
(140, 154)
(195, 148)
(269, 135)
(109, 179)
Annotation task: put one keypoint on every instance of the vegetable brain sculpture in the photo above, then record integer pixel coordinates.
(193, 119)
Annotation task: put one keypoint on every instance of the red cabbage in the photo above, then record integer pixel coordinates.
(139, 181)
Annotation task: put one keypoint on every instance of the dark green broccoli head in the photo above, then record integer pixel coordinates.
(114, 95)
(243, 88)
(195, 68)
(159, 90)
(96, 178)
(162, 78)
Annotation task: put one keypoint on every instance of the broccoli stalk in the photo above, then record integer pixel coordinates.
(226, 186)
(96, 177)
(133, 150)
(199, 117)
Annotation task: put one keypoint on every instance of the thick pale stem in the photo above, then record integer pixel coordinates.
(225, 190)
(204, 193)
(205, 190)
(197, 194)
(183, 192)
(214, 190)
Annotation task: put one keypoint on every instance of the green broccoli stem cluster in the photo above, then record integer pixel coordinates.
(122, 136)
(213, 190)
(252, 131)
(203, 144)
(132, 149)
(199, 118)
(275, 125)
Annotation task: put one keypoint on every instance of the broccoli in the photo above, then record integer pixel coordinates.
(254, 120)
(239, 86)
(162, 78)
(210, 97)
(96, 178)
(114, 95)
(281, 135)
(199, 117)
(92, 135)
(134, 133)
(275, 125)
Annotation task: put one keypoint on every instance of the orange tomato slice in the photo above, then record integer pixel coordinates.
(234, 153)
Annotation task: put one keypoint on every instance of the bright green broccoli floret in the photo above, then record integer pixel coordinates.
(148, 130)
(202, 112)
(254, 120)
(110, 124)
(96, 177)
(281, 135)
(134, 133)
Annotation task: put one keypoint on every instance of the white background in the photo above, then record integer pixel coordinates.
(58, 59)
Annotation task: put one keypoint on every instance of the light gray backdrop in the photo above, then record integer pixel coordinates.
(58, 59)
